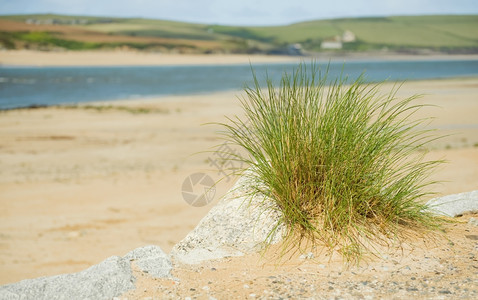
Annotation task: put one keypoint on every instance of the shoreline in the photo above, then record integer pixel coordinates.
(152, 100)
(25, 58)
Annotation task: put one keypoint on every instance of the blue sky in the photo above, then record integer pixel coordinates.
(240, 12)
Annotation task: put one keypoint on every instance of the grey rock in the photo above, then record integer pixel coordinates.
(152, 260)
(473, 221)
(454, 205)
(237, 225)
(106, 280)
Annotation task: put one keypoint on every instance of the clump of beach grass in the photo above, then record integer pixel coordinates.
(340, 160)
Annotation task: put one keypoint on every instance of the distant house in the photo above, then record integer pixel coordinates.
(348, 37)
(337, 41)
(334, 43)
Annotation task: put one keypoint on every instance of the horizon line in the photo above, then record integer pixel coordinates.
(239, 25)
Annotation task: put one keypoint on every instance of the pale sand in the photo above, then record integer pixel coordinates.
(78, 185)
(434, 267)
(129, 58)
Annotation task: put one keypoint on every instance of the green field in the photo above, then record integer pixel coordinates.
(449, 34)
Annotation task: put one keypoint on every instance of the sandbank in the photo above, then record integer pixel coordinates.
(132, 58)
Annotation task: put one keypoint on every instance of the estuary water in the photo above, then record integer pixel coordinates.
(30, 86)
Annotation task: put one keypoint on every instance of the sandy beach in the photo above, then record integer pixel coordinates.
(78, 185)
(128, 58)
(133, 58)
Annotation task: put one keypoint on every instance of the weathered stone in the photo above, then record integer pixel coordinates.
(473, 221)
(237, 225)
(152, 260)
(454, 205)
(106, 280)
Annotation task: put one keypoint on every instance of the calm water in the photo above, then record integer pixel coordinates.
(25, 86)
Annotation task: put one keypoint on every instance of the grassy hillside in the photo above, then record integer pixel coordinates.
(455, 34)
(425, 32)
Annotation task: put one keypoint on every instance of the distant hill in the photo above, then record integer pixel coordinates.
(413, 34)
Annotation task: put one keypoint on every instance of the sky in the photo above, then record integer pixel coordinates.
(239, 12)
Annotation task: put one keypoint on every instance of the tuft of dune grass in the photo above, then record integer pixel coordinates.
(339, 159)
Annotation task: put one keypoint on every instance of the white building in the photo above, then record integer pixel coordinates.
(337, 41)
(348, 37)
(331, 44)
